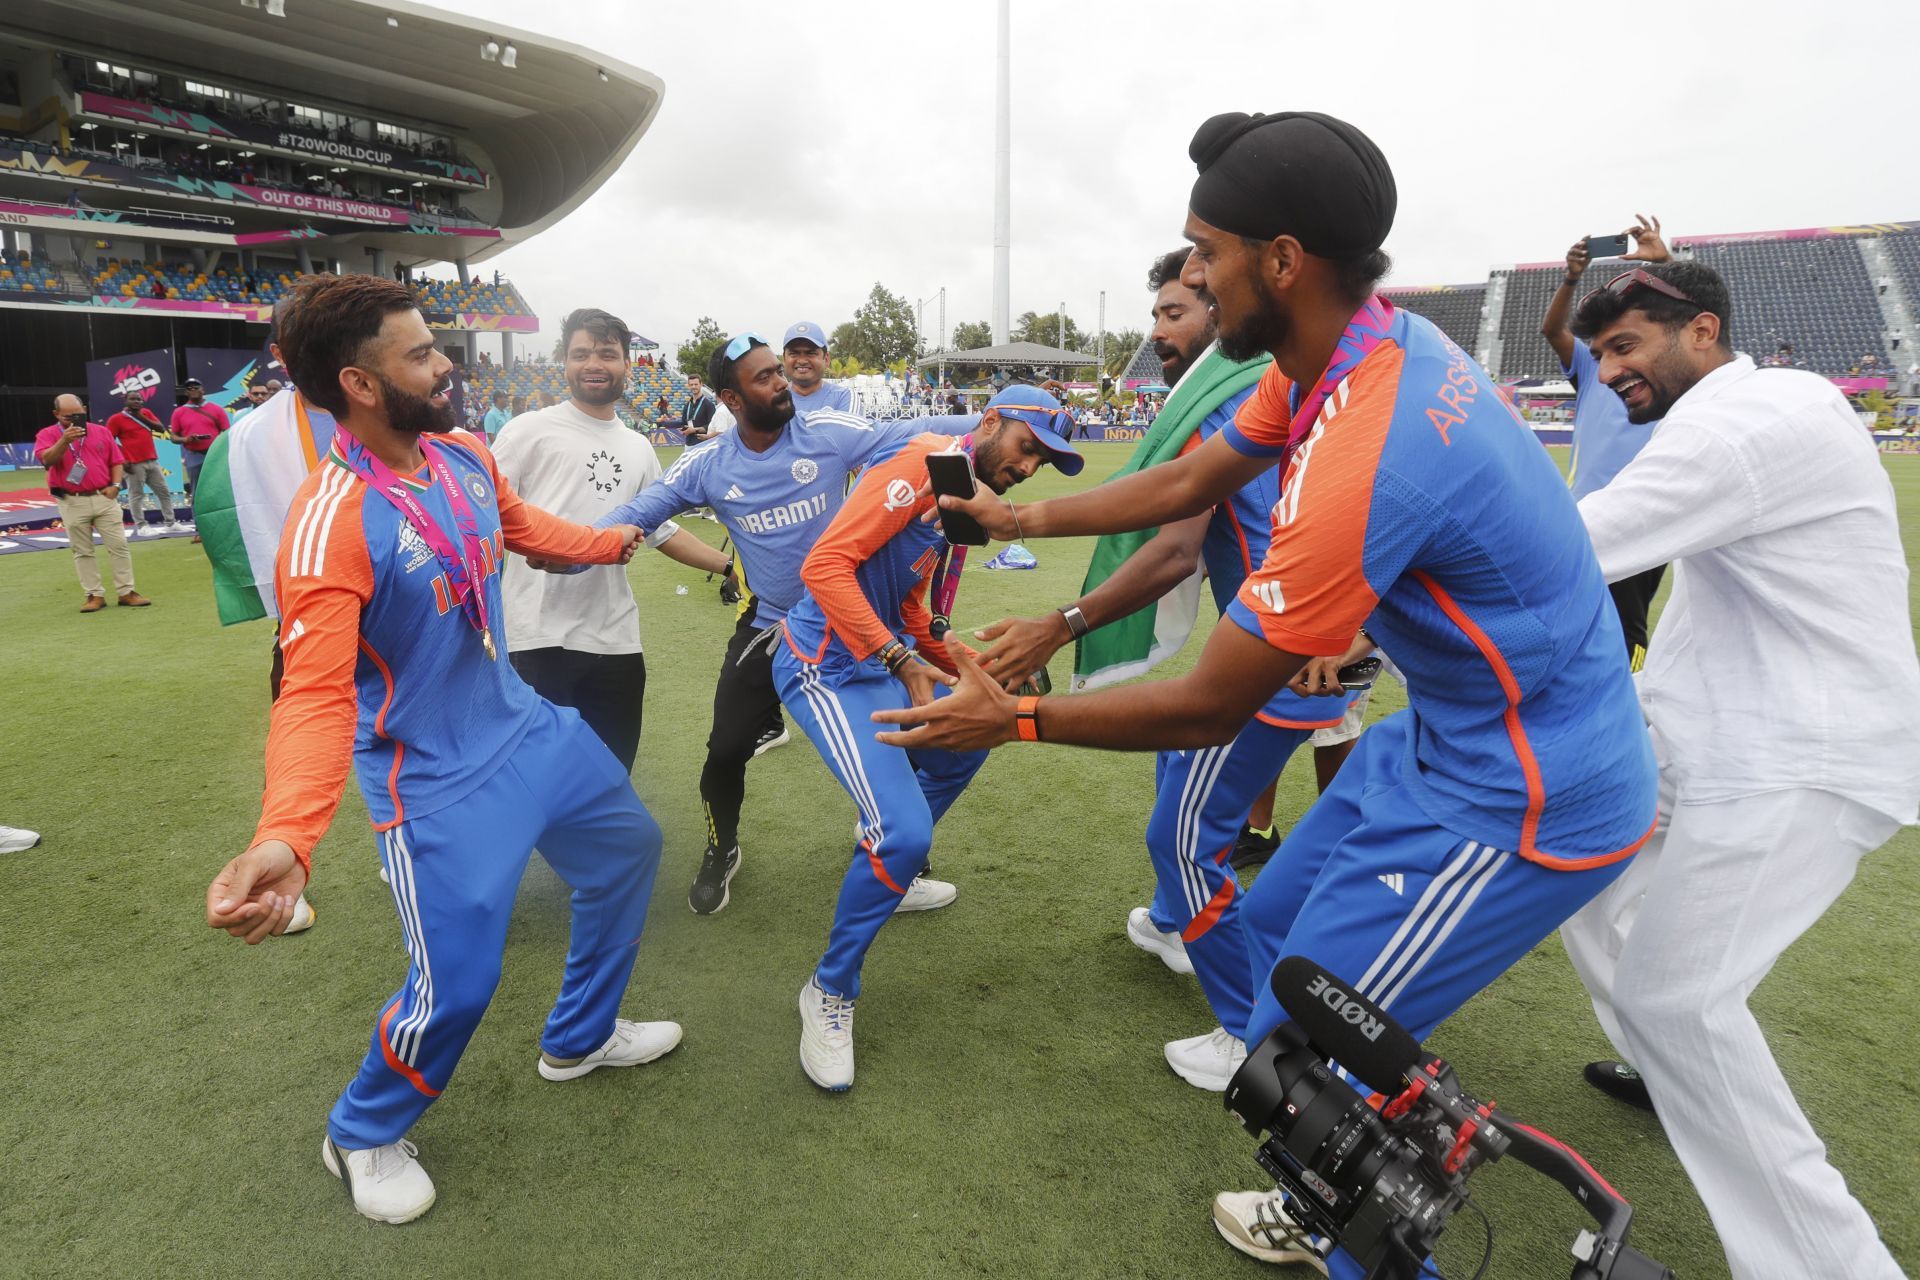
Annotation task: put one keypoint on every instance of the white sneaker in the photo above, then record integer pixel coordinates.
(1167, 945)
(770, 739)
(181, 526)
(631, 1044)
(1257, 1224)
(926, 895)
(826, 1038)
(387, 1183)
(14, 839)
(302, 916)
(1208, 1061)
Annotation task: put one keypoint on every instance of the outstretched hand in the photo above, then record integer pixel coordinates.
(632, 536)
(994, 512)
(1022, 646)
(1647, 244)
(254, 895)
(922, 681)
(978, 714)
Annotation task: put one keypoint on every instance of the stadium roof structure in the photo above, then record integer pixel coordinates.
(1010, 354)
(551, 128)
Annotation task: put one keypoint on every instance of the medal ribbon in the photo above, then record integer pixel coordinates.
(1367, 330)
(465, 567)
(946, 573)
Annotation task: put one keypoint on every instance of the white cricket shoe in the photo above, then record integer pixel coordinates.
(1257, 1224)
(826, 1038)
(631, 1044)
(14, 839)
(771, 738)
(387, 1183)
(926, 895)
(302, 917)
(1208, 1061)
(1167, 945)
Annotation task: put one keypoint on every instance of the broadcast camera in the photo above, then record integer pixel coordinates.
(1382, 1184)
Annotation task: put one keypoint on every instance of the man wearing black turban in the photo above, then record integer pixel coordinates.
(1416, 510)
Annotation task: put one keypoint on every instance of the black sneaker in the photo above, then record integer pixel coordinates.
(709, 893)
(1619, 1081)
(1253, 848)
(774, 735)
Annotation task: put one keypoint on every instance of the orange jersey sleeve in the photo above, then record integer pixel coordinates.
(323, 577)
(885, 501)
(541, 534)
(1311, 594)
(1262, 423)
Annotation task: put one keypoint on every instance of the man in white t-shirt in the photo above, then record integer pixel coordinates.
(576, 637)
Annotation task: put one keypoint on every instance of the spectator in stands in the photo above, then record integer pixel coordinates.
(193, 427)
(547, 398)
(576, 637)
(497, 417)
(135, 427)
(521, 404)
(696, 415)
(84, 470)
(1781, 693)
(662, 410)
(1604, 441)
(804, 357)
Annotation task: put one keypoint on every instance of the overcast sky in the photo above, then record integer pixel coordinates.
(804, 152)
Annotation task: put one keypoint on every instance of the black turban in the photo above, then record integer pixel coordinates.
(1296, 173)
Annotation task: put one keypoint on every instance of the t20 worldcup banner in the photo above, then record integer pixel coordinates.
(150, 373)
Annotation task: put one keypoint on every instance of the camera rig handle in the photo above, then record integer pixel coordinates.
(1601, 1255)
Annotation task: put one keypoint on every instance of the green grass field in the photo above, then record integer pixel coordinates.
(165, 1088)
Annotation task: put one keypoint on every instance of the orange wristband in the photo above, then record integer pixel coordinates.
(1026, 719)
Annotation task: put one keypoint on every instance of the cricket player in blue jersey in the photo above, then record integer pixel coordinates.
(1417, 505)
(775, 482)
(860, 640)
(803, 358)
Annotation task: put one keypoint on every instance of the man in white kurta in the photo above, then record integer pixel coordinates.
(1783, 696)
(576, 637)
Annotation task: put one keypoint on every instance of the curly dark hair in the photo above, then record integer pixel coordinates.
(1698, 281)
(1167, 268)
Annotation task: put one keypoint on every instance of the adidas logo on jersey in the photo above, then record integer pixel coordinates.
(1269, 594)
(1395, 881)
(732, 494)
(413, 546)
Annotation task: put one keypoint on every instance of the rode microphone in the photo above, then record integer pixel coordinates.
(1349, 1028)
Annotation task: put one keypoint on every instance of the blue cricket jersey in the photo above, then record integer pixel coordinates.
(1603, 440)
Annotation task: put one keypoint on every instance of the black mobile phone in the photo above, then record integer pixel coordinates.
(1606, 246)
(953, 473)
(1359, 675)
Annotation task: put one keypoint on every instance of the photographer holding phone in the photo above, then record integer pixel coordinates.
(1604, 440)
(863, 638)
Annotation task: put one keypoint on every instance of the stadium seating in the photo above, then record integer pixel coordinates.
(181, 280)
(1456, 309)
(529, 377)
(21, 273)
(1813, 293)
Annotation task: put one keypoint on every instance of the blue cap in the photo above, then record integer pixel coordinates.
(805, 329)
(1043, 414)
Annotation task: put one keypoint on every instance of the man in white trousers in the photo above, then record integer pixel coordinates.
(1782, 692)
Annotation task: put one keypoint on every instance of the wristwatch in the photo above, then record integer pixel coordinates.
(1076, 621)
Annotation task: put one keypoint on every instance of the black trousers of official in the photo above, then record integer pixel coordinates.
(745, 705)
(1632, 597)
(607, 689)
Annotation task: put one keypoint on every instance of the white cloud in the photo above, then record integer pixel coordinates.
(803, 154)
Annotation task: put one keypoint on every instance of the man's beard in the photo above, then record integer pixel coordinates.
(415, 414)
(1263, 330)
(770, 417)
(597, 396)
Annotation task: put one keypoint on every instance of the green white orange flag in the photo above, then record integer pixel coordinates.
(1135, 644)
(246, 488)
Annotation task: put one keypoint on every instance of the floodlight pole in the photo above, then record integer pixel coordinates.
(1100, 352)
(1002, 176)
(943, 335)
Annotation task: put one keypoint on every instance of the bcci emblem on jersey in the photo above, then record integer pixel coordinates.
(477, 486)
(805, 470)
(413, 546)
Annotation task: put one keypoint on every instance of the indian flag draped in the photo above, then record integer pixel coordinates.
(246, 488)
(1137, 643)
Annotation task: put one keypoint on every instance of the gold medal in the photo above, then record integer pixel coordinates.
(486, 641)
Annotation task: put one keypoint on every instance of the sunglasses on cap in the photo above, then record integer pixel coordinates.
(742, 343)
(1638, 278)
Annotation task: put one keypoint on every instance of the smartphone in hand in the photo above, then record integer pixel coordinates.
(952, 473)
(1606, 246)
